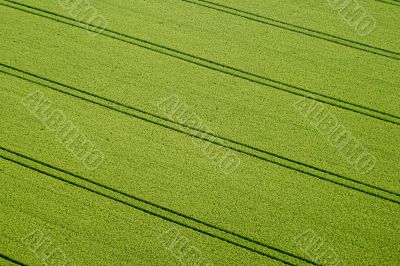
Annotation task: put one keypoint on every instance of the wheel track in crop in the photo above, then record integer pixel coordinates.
(152, 208)
(270, 83)
(294, 28)
(110, 193)
(393, 2)
(12, 260)
(224, 142)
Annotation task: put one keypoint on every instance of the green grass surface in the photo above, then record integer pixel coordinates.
(241, 77)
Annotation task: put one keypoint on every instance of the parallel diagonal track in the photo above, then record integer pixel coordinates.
(12, 260)
(153, 208)
(170, 215)
(245, 149)
(269, 83)
(390, 2)
(294, 28)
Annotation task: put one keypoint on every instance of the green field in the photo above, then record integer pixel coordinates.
(194, 132)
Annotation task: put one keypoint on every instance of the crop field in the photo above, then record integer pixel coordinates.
(200, 132)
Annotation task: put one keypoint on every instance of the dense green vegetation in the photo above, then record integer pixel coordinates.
(235, 69)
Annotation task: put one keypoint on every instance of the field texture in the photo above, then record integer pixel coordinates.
(194, 132)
